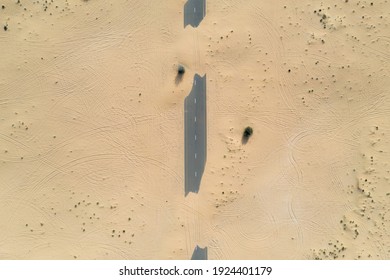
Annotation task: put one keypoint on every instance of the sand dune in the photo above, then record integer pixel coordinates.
(92, 141)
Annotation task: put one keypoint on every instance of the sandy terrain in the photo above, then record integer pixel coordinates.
(91, 130)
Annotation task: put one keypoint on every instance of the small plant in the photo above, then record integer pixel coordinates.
(248, 131)
(181, 70)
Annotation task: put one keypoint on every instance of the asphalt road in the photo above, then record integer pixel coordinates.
(195, 134)
(194, 12)
(199, 254)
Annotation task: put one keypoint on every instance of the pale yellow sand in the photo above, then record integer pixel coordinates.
(91, 130)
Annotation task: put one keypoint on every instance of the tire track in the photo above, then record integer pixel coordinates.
(294, 219)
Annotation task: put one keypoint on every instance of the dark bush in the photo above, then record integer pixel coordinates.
(247, 133)
(181, 70)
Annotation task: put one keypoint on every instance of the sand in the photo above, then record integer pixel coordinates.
(92, 136)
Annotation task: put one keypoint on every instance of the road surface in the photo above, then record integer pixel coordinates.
(194, 12)
(199, 254)
(195, 134)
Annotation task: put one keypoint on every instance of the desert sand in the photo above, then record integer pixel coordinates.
(91, 130)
